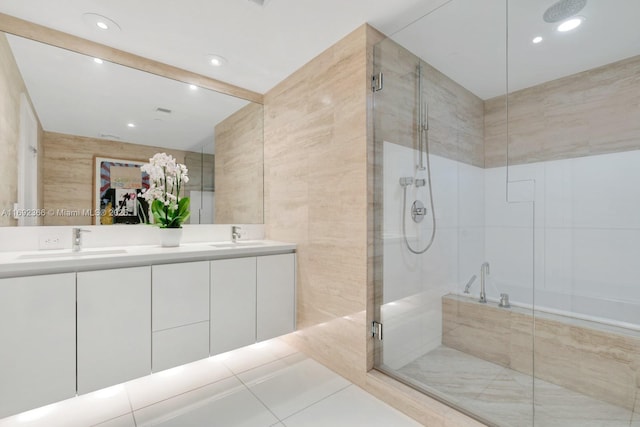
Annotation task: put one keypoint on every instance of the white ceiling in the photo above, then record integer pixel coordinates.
(262, 44)
(465, 39)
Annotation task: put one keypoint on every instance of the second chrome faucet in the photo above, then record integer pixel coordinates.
(484, 271)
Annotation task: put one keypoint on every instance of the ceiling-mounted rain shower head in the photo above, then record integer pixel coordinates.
(563, 9)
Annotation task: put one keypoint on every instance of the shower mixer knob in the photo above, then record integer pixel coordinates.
(418, 211)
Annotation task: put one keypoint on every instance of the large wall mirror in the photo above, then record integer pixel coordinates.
(68, 118)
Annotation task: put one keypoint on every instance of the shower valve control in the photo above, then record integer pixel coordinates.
(418, 211)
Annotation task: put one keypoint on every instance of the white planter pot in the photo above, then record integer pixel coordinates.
(170, 237)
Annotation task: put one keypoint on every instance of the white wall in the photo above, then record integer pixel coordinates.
(587, 235)
(414, 284)
(583, 255)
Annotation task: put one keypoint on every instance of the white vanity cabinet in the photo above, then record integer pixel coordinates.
(180, 307)
(37, 341)
(252, 300)
(113, 326)
(104, 320)
(233, 303)
(276, 283)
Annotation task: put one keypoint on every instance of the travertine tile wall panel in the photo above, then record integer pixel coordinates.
(601, 364)
(239, 178)
(456, 116)
(593, 112)
(69, 171)
(316, 169)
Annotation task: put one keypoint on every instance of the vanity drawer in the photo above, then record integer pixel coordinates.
(177, 346)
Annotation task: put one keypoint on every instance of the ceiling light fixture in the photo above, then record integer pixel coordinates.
(193, 87)
(131, 125)
(217, 60)
(537, 39)
(570, 24)
(99, 22)
(98, 60)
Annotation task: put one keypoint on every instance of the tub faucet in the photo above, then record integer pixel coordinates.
(235, 233)
(469, 283)
(77, 238)
(484, 270)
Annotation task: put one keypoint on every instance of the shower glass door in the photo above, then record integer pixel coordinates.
(574, 137)
(454, 224)
(529, 147)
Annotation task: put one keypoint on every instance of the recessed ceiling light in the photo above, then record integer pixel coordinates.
(193, 87)
(537, 39)
(99, 22)
(217, 60)
(570, 24)
(98, 60)
(131, 125)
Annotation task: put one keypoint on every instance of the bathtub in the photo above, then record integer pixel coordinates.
(596, 358)
(623, 314)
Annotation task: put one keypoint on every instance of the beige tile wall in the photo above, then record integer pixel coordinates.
(11, 86)
(573, 354)
(593, 112)
(456, 116)
(69, 171)
(319, 162)
(239, 178)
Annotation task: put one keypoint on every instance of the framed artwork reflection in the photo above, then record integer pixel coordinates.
(118, 185)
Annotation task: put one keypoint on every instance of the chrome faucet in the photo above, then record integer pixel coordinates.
(77, 238)
(484, 270)
(235, 233)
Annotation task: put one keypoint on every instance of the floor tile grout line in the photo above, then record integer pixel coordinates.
(183, 393)
(318, 401)
(300, 410)
(133, 415)
(258, 399)
(277, 358)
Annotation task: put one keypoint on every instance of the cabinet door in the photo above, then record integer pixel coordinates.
(233, 303)
(37, 341)
(114, 326)
(180, 294)
(276, 296)
(180, 307)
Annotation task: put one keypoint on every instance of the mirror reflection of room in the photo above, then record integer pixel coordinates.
(60, 154)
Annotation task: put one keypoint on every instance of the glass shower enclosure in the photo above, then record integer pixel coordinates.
(507, 210)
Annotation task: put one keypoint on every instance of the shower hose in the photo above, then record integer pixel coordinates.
(433, 213)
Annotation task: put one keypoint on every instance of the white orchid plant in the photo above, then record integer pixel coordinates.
(166, 180)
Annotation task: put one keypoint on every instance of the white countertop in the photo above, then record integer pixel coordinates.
(14, 264)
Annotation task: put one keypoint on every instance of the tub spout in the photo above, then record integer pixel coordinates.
(484, 271)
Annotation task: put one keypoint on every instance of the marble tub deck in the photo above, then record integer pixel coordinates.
(505, 397)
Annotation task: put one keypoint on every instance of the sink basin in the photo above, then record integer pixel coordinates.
(68, 254)
(237, 244)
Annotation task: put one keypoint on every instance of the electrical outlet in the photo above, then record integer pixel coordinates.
(50, 241)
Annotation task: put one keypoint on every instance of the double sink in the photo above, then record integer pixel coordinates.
(101, 252)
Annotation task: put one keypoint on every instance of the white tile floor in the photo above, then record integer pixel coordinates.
(267, 384)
